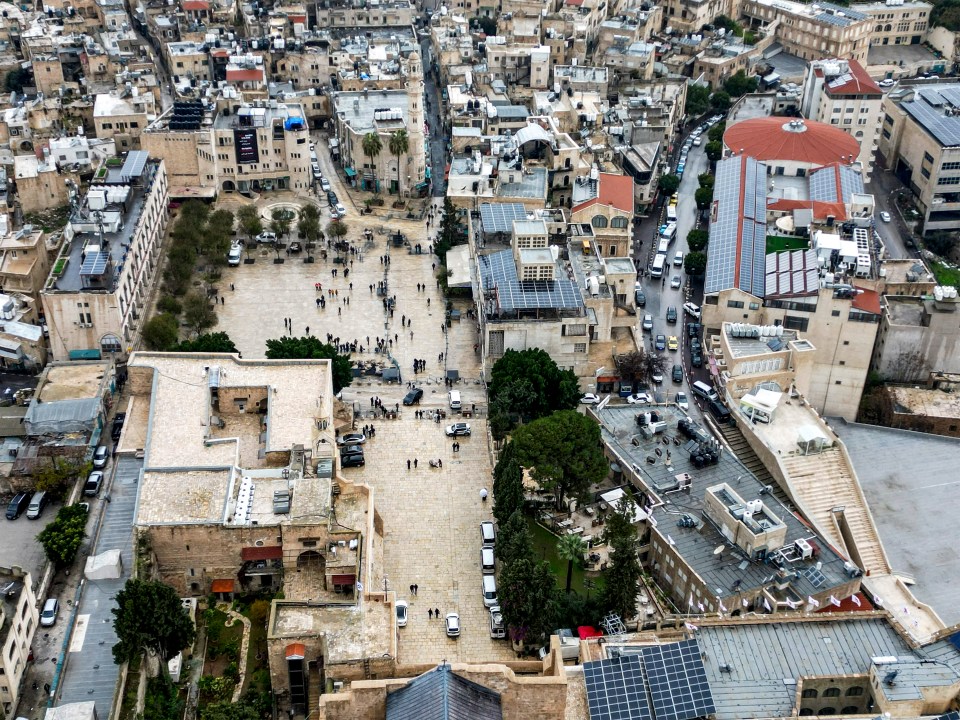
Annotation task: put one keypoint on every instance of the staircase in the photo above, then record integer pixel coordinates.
(733, 437)
(823, 482)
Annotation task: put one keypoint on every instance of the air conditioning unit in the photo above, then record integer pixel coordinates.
(337, 686)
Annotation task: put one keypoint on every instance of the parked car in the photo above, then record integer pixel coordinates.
(460, 428)
(677, 373)
(887, 82)
(453, 625)
(672, 343)
(698, 141)
(692, 309)
(413, 397)
(693, 329)
(234, 256)
(352, 439)
(885, 216)
(671, 314)
(334, 213)
(92, 485)
(352, 461)
(639, 298)
(676, 282)
(657, 377)
(589, 399)
(661, 343)
(351, 450)
(340, 209)
(648, 322)
(100, 457)
(696, 358)
(402, 607)
(639, 399)
(117, 427)
(266, 238)
(18, 506)
(681, 401)
(51, 608)
(332, 197)
(324, 185)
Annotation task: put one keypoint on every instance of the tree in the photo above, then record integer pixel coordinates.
(250, 223)
(622, 583)
(399, 144)
(562, 452)
(198, 313)
(508, 492)
(337, 230)
(571, 548)
(450, 233)
(714, 151)
(698, 100)
(695, 263)
(656, 363)
(633, 365)
(218, 342)
(62, 538)
(372, 145)
(149, 618)
(487, 25)
(308, 223)
(16, 79)
(217, 237)
(160, 332)
(280, 221)
(706, 180)
(738, 84)
(55, 476)
(527, 384)
(527, 592)
(229, 711)
(697, 240)
(309, 347)
(715, 134)
(162, 701)
(703, 197)
(513, 539)
(720, 100)
(668, 184)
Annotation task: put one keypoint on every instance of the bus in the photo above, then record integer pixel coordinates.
(659, 262)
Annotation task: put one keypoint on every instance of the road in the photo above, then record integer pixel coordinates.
(436, 139)
(885, 186)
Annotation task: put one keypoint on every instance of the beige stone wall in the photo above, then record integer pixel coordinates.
(48, 75)
(185, 154)
(44, 192)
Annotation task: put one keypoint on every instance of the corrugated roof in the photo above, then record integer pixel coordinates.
(867, 301)
(773, 138)
(443, 695)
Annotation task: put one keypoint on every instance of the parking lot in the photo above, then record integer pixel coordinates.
(20, 546)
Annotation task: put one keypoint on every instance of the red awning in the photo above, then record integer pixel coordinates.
(268, 552)
(222, 586)
(296, 651)
(586, 631)
(349, 579)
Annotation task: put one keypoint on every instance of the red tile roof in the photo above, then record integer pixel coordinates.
(220, 586)
(244, 75)
(820, 209)
(195, 5)
(859, 83)
(867, 300)
(847, 605)
(613, 190)
(296, 651)
(268, 552)
(773, 138)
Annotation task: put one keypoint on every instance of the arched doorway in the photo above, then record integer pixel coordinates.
(311, 560)
(229, 186)
(110, 343)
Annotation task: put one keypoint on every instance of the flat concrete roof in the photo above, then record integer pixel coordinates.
(924, 401)
(907, 491)
(73, 381)
(350, 631)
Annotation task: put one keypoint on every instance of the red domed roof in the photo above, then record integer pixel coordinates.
(779, 138)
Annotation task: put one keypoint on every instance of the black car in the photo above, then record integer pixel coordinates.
(693, 329)
(413, 397)
(677, 374)
(351, 450)
(696, 359)
(18, 506)
(332, 197)
(352, 461)
(720, 412)
(695, 344)
(639, 298)
(671, 315)
(117, 426)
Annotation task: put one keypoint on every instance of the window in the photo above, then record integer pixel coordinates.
(831, 692)
(792, 322)
(618, 222)
(855, 691)
(809, 693)
(754, 306)
(925, 172)
(579, 329)
(835, 313)
(886, 134)
(599, 221)
(950, 166)
(579, 347)
(734, 303)
(948, 181)
(927, 157)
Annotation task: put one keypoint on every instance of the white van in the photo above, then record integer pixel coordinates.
(671, 213)
(454, 397)
(656, 270)
(703, 390)
(664, 246)
(670, 232)
(489, 590)
(233, 257)
(678, 259)
(488, 534)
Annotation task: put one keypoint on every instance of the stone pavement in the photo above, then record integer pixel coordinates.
(245, 621)
(431, 519)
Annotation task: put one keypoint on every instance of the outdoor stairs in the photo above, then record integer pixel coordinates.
(745, 454)
(824, 481)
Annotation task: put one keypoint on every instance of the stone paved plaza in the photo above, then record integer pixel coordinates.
(431, 516)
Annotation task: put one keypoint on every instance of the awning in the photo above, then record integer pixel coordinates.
(427, 175)
(270, 552)
(220, 586)
(9, 354)
(84, 355)
(350, 172)
(346, 579)
(296, 651)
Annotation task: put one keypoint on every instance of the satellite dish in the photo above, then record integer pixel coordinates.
(719, 550)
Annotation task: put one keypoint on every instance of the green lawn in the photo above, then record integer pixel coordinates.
(545, 548)
(945, 275)
(779, 243)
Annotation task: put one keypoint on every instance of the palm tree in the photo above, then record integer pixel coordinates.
(571, 548)
(399, 144)
(372, 145)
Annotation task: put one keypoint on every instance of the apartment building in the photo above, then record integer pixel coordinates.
(122, 117)
(25, 265)
(95, 296)
(920, 143)
(896, 22)
(841, 93)
(812, 31)
(188, 60)
(605, 202)
(689, 16)
(918, 335)
(357, 13)
(19, 619)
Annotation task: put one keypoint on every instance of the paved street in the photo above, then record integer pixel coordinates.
(885, 186)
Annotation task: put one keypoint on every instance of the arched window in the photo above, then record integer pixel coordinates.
(618, 222)
(856, 690)
(809, 693)
(850, 710)
(831, 692)
(805, 711)
(827, 711)
(599, 221)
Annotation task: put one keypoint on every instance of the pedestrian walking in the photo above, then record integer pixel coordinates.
(411, 589)
(414, 463)
(318, 302)
(483, 494)
(430, 612)
(308, 330)
(416, 589)
(436, 611)
(231, 287)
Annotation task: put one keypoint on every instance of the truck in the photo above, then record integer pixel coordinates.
(569, 645)
(497, 630)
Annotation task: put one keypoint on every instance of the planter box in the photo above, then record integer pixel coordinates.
(308, 259)
(249, 261)
(278, 261)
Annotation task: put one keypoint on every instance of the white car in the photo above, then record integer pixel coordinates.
(657, 377)
(675, 282)
(590, 399)
(324, 184)
(639, 399)
(402, 607)
(453, 625)
(889, 82)
(681, 401)
(334, 213)
(341, 209)
(266, 238)
(648, 322)
(698, 142)
(692, 309)
(885, 216)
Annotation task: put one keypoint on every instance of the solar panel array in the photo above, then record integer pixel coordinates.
(739, 228)
(815, 577)
(823, 185)
(134, 164)
(851, 182)
(660, 682)
(615, 689)
(792, 273)
(499, 217)
(95, 263)
(499, 271)
(927, 109)
(678, 681)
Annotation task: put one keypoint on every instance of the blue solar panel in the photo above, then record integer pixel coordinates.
(616, 690)
(678, 684)
(95, 263)
(498, 272)
(499, 217)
